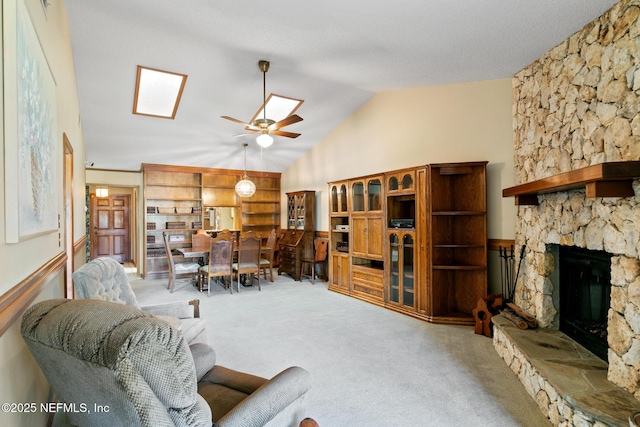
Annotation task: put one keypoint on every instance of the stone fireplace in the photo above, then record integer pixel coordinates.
(578, 106)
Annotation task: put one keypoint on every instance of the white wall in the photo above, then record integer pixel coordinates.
(21, 379)
(404, 128)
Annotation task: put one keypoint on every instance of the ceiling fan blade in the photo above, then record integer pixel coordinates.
(245, 124)
(294, 118)
(251, 132)
(235, 120)
(283, 133)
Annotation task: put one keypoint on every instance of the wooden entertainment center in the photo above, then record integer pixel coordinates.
(412, 240)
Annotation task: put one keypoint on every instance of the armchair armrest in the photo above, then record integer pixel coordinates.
(269, 399)
(179, 309)
(204, 358)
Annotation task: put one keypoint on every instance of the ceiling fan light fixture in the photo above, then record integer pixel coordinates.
(264, 140)
(245, 187)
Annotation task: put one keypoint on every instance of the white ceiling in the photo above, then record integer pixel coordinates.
(334, 54)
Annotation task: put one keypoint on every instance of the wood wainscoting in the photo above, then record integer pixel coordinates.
(16, 300)
(495, 244)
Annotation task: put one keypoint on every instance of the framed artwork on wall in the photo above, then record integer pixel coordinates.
(31, 137)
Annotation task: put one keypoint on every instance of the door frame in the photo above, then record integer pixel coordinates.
(68, 175)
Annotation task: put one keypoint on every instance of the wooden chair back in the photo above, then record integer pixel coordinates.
(320, 246)
(201, 241)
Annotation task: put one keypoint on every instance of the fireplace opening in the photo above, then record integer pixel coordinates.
(585, 297)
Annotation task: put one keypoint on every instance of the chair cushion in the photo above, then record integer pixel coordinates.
(215, 269)
(104, 279)
(186, 267)
(265, 262)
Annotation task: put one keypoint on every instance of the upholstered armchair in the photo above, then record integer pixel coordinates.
(141, 370)
(105, 279)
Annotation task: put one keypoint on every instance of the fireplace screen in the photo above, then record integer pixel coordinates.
(585, 297)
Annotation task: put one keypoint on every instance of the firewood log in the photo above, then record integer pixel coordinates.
(531, 321)
(517, 320)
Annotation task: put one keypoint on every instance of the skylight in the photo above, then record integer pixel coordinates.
(158, 92)
(278, 107)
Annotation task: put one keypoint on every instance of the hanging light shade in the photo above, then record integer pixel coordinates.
(244, 187)
(264, 140)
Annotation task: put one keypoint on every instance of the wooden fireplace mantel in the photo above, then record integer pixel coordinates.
(612, 179)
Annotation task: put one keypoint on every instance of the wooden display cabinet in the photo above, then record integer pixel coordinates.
(458, 241)
(297, 241)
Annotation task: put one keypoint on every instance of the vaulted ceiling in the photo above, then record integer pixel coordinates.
(333, 54)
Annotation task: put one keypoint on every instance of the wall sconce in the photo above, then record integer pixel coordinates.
(102, 192)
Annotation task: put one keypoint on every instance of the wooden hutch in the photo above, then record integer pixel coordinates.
(181, 200)
(296, 242)
(412, 240)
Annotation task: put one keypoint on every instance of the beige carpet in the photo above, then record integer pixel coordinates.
(369, 366)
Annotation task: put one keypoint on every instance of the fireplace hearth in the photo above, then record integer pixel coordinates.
(585, 297)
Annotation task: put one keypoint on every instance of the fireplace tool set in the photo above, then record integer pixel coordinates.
(507, 268)
(503, 303)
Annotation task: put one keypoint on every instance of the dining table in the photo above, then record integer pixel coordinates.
(202, 252)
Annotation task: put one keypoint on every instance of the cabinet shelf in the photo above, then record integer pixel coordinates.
(460, 267)
(173, 229)
(182, 199)
(457, 213)
(454, 246)
(261, 213)
(174, 214)
(174, 185)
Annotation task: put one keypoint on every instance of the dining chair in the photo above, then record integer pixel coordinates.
(220, 263)
(248, 256)
(201, 240)
(266, 257)
(226, 234)
(320, 246)
(177, 268)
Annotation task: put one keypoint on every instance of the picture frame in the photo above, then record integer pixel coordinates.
(31, 137)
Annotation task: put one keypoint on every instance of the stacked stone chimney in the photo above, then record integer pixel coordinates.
(579, 105)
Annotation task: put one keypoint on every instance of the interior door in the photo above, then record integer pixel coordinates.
(110, 227)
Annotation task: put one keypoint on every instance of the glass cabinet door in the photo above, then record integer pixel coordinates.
(401, 288)
(291, 212)
(343, 199)
(334, 199)
(407, 182)
(393, 184)
(300, 212)
(357, 197)
(394, 270)
(374, 193)
(407, 271)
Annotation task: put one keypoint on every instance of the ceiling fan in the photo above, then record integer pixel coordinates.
(265, 126)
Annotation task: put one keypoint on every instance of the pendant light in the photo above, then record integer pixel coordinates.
(244, 187)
